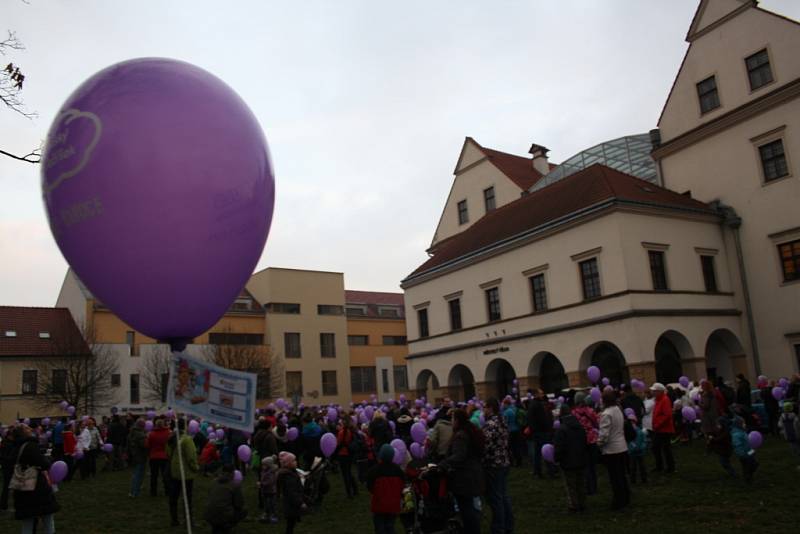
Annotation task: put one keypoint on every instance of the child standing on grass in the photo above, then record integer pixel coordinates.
(742, 449)
(269, 490)
(789, 425)
(291, 490)
(385, 482)
(637, 449)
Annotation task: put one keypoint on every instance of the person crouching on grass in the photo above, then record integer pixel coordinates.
(385, 482)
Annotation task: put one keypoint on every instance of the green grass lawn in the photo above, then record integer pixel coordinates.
(697, 498)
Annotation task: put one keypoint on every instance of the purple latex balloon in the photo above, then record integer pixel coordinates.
(244, 453)
(557, 424)
(549, 453)
(398, 444)
(71, 410)
(393, 426)
(593, 373)
(595, 394)
(605, 381)
(777, 393)
(629, 412)
(220, 433)
(418, 432)
(416, 450)
(148, 426)
(755, 438)
(157, 158)
(193, 427)
(327, 444)
(212, 436)
(46, 421)
(63, 405)
(684, 381)
(170, 414)
(292, 434)
(688, 413)
(78, 454)
(151, 414)
(108, 447)
(84, 418)
(784, 383)
(237, 477)
(58, 471)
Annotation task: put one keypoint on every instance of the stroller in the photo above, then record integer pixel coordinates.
(315, 483)
(429, 508)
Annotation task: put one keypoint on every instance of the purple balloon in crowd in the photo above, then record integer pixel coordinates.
(398, 444)
(193, 427)
(595, 394)
(684, 381)
(46, 421)
(237, 477)
(212, 435)
(170, 414)
(605, 381)
(78, 454)
(593, 373)
(27, 421)
(71, 410)
(784, 383)
(778, 393)
(417, 451)
(244, 453)
(689, 414)
(418, 432)
(549, 453)
(58, 471)
(327, 444)
(148, 426)
(63, 405)
(755, 438)
(557, 424)
(399, 456)
(129, 156)
(392, 426)
(629, 412)
(151, 414)
(84, 418)
(108, 447)
(292, 433)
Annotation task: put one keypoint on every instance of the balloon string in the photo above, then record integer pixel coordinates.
(183, 479)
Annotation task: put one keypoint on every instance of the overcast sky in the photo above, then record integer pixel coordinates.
(365, 105)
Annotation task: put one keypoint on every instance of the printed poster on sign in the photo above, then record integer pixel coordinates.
(212, 392)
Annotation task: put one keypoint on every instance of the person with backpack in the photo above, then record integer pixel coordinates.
(38, 502)
(789, 426)
(637, 448)
(614, 448)
(587, 417)
(349, 445)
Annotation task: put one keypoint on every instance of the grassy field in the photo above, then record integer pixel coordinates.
(698, 498)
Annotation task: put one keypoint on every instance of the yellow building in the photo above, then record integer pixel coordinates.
(376, 337)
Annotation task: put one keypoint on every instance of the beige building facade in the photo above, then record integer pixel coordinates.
(730, 132)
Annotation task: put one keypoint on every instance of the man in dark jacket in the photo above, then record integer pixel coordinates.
(225, 507)
(540, 422)
(137, 455)
(634, 402)
(728, 393)
(117, 436)
(743, 395)
(7, 460)
(572, 456)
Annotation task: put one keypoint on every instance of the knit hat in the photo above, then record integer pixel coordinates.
(788, 407)
(286, 458)
(386, 453)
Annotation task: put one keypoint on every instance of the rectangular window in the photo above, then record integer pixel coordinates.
(362, 379)
(385, 380)
(493, 303)
(707, 93)
(790, 260)
(229, 338)
(263, 383)
(283, 307)
(135, 389)
(59, 380)
(355, 311)
(463, 215)
(773, 160)
(539, 293)
(327, 345)
(394, 340)
(400, 378)
(590, 279)
(329, 386)
(709, 273)
(388, 311)
(291, 344)
(455, 314)
(422, 318)
(294, 383)
(29, 379)
(358, 340)
(242, 304)
(130, 340)
(116, 380)
(488, 199)
(329, 309)
(758, 69)
(658, 270)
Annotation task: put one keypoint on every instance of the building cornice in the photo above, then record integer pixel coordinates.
(750, 109)
(630, 314)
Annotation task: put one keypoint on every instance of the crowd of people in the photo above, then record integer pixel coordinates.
(453, 455)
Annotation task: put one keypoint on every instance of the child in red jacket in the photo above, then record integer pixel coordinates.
(385, 482)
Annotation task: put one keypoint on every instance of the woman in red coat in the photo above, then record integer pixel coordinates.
(663, 429)
(156, 443)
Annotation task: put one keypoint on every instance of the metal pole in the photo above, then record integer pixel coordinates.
(183, 478)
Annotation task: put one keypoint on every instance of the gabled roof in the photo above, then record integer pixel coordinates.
(519, 169)
(27, 323)
(718, 10)
(589, 187)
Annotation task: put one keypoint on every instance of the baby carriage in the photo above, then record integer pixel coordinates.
(429, 508)
(315, 483)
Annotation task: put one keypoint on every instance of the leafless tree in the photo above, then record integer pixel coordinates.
(249, 358)
(12, 81)
(79, 372)
(155, 373)
(277, 377)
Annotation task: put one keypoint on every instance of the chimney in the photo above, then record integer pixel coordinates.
(539, 154)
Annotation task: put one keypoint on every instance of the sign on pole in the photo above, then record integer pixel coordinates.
(212, 392)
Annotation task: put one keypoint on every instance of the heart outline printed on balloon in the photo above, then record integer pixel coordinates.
(67, 117)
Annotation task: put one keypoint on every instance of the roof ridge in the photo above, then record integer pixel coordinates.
(54, 308)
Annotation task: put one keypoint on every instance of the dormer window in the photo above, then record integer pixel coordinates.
(44, 335)
(708, 95)
(11, 333)
(488, 199)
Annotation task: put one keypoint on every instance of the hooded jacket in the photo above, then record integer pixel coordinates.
(571, 452)
(225, 502)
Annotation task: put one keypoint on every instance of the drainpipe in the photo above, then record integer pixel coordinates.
(732, 220)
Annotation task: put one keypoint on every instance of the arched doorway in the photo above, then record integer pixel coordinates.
(500, 377)
(671, 349)
(461, 383)
(609, 359)
(722, 344)
(427, 385)
(552, 377)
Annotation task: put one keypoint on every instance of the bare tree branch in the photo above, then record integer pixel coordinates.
(155, 373)
(12, 78)
(34, 156)
(250, 358)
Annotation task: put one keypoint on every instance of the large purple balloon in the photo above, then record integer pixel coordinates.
(160, 160)
(58, 471)
(327, 444)
(593, 373)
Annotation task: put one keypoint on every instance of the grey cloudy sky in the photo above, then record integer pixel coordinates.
(365, 105)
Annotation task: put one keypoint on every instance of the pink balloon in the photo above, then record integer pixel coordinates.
(159, 157)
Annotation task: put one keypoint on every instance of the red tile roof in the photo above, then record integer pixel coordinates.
(29, 322)
(581, 190)
(518, 168)
(373, 299)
